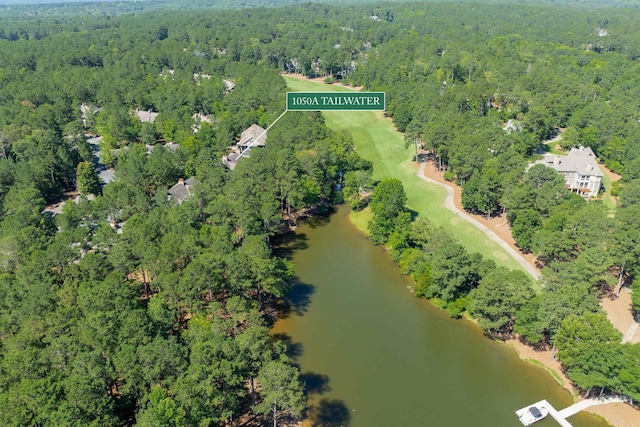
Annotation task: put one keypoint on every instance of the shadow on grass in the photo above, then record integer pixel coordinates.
(330, 413)
(543, 149)
(414, 214)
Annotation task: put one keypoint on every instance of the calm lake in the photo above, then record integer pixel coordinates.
(374, 355)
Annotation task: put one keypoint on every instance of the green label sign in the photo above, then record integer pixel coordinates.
(327, 101)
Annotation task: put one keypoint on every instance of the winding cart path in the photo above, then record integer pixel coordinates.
(449, 204)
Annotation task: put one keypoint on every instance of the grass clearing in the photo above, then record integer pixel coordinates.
(377, 140)
(606, 197)
(361, 219)
(557, 150)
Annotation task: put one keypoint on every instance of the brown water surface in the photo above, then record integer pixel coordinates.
(373, 355)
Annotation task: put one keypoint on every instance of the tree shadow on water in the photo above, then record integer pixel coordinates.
(300, 297)
(285, 246)
(315, 383)
(297, 300)
(330, 413)
(320, 218)
(294, 349)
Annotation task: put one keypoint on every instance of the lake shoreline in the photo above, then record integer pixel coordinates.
(619, 415)
(615, 414)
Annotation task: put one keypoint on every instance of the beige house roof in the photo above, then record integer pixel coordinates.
(146, 116)
(229, 85)
(198, 119)
(253, 136)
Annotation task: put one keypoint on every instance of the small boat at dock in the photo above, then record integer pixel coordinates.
(532, 414)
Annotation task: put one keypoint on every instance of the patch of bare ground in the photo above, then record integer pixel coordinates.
(545, 358)
(618, 309)
(618, 414)
(613, 177)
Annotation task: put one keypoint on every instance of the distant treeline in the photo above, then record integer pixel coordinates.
(43, 8)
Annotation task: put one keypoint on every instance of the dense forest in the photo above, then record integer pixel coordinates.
(127, 308)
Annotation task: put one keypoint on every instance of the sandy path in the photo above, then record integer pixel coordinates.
(498, 224)
(450, 204)
(620, 315)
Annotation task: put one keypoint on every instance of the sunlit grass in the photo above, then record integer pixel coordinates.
(361, 219)
(556, 149)
(606, 197)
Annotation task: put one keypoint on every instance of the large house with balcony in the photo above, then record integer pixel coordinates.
(580, 170)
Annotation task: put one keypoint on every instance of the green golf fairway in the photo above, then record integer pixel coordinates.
(377, 140)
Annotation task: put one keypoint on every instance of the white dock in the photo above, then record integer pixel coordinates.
(561, 416)
(557, 416)
(587, 403)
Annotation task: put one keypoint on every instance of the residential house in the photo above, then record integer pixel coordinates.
(88, 112)
(167, 73)
(182, 190)
(580, 170)
(228, 85)
(253, 136)
(232, 159)
(198, 119)
(146, 116)
(171, 146)
(198, 76)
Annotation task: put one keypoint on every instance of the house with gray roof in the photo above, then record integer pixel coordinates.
(580, 170)
(182, 190)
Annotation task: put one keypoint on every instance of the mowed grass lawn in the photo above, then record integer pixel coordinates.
(377, 140)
